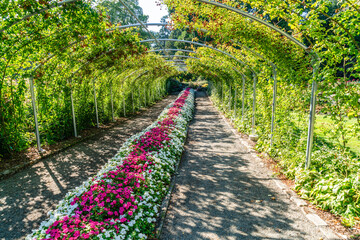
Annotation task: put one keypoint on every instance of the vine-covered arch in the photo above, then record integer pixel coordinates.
(64, 46)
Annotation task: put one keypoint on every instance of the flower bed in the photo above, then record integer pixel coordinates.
(123, 199)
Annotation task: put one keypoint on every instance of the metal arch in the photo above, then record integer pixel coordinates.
(183, 50)
(182, 56)
(140, 22)
(316, 62)
(246, 14)
(203, 30)
(233, 68)
(237, 71)
(274, 67)
(36, 13)
(175, 60)
(152, 24)
(136, 25)
(173, 50)
(203, 45)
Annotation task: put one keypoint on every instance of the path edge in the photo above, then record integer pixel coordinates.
(16, 169)
(315, 219)
(166, 201)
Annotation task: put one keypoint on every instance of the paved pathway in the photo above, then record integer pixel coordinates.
(26, 197)
(221, 192)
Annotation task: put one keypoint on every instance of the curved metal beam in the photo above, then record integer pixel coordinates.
(136, 25)
(202, 45)
(203, 30)
(183, 50)
(36, 13)
(175, 60)
(173, 50)
(181, 56)
(139, 21)
(246, 14)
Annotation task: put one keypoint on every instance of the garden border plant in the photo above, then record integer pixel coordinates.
(123, 199)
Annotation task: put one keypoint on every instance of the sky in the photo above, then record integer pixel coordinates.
(154, 12)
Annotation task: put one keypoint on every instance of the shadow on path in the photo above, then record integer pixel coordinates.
(221, 192)
(26, 197)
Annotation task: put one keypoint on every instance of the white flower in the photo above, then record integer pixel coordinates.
(164, 162)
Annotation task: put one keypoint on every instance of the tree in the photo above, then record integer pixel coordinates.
(118, 13)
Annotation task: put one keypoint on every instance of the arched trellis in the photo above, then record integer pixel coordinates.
(71, 97)
(274, 89)
(243, 76)
(315, 62)
(143, 25)
(230, 56)
(206, 46)
(234, 69)
(247, 49)
(203, 45)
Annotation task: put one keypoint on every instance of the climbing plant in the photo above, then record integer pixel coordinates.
(64, 48)
(331, 30)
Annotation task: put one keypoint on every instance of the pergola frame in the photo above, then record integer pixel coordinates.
(315, 57)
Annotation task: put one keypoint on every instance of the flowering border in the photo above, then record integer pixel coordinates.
(122, 201)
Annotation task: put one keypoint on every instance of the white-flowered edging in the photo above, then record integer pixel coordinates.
(140, 221)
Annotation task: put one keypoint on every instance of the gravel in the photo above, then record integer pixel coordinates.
(26, 197)
(222, 192)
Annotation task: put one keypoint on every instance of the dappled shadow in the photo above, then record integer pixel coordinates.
(26, 197)
(222, 192)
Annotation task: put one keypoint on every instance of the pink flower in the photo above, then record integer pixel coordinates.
(85, 235)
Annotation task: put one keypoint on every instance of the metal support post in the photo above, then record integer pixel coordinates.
(73, 112)
(254, 106)
(235, 101)
(132, 99)
(145, 96)
(96, 108)
(309, 145)
(151, 96)
(273, 107)
(254, 136)
(230, 98)
(222, 92)
(112, 104)
(33, 100)
(124, 106)
(310, 138)
(243, 98)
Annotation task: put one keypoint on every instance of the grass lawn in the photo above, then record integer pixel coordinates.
(324, 126)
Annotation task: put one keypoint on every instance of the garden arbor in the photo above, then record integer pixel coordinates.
(80, 40)
(315, 64)
(65, 67)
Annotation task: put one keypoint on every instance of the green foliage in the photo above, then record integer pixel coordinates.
(118, 14)
(66, 50)
(333, 181)
(328, 28)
